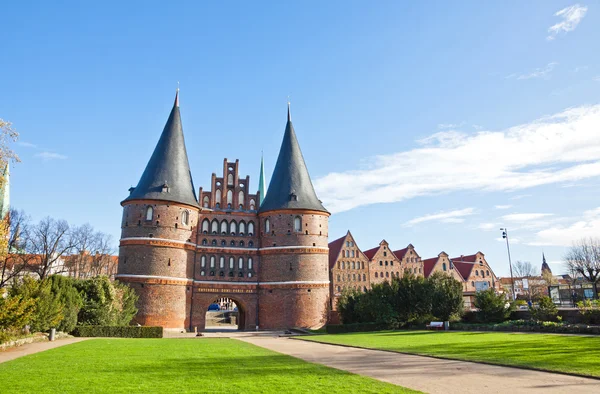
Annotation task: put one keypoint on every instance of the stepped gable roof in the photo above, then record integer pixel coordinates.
(334, 249)
(371, 252)
(167, 176)
(290, 186)
(400, 253)
(428, 265)
(467, 259)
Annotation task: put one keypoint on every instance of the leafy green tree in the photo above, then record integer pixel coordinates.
(347, 306)
(446, 296)
(71, 301)
(105, 303)
(491, 307)
(15, 313)
(48, 307)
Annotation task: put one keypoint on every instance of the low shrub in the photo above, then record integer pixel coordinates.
(529, 326)
(118, 331)
(545, 310)
(492, 307)
(355, 327)
(590, 311)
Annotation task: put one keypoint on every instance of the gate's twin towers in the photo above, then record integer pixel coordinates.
(180, 252)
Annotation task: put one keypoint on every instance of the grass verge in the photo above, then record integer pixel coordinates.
(176, 366)
(559, 353)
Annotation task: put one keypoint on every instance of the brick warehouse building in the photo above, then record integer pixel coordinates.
(267, 253)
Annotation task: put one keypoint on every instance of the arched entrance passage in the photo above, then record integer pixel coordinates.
(225, 313)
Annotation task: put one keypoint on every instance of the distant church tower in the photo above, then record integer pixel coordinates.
(294, 274)
(159, 220)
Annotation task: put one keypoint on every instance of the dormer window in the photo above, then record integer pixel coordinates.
(131, 189)
(293, 197)
(165, 187)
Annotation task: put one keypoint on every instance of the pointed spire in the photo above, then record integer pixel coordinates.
(177, 96)
(545, 266)
(167, 175)
(290, 186)
(289, 112)
(261, 179)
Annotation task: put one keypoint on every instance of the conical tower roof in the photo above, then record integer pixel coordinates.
(167, 176)
(290, 186)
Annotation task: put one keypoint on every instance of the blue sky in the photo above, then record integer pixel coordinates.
(427, 123)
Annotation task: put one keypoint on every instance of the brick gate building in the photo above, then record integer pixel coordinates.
(181, 251)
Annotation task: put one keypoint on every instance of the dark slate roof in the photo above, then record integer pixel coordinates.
(167, 175)
(290, 186)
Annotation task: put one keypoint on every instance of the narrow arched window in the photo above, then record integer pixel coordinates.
(224, 227)
(343, 265)
(376, 275)
(444, 266)
(149, 213)
(251, 228)
(205, 226)
(205, 202)
(203, 261)
(297, 224)
(230, 179)
(241, 244)
(249, 263)
(185, 217)
(267, 225)
(221, 262)
(241, 198)
(476, 273)
(218, 196)
(229, 197)
(214, 227)
(233, 227)
(241, 263)
(231, 263)
(242, 228)
(487, 273)
(364, 277)
(252, 205)
(250, 244)
(212, 261)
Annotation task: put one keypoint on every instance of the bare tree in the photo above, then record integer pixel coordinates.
(583, 259)
(50, 240)
(84, 241)
(15, 260)
(524, 269)
(101, 259)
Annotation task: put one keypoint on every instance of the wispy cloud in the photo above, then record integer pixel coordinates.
(596, 78)
(587, 225)
(543, 72)
(525, 217)
(520, 196)
(456, 216)
(580, 68)
(571, 16)
(26, 144)
(488, 226)
(502, 206)
(446, 126)
(561, 148)
(50, 156)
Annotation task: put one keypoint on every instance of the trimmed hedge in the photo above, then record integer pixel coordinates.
(529, 326)
(118, 331)
(355, 327)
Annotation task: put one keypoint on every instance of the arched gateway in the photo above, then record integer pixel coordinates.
(182, 249)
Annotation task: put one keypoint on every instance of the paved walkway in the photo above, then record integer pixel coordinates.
(428, 374)
(31, 348)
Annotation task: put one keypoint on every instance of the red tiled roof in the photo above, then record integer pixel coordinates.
(400, 253)
(371, 252)
(464, 268)
(334, 250)
(428, 265)
(467, 259)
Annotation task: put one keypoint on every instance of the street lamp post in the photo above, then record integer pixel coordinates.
(512, 280)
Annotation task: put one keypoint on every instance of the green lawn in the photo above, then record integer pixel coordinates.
(571, 354)
(175, 366)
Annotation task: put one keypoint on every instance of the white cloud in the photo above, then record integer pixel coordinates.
(562, 148)
(596, 78)
(456, 216)
(525, 217)
(571, 16)
(503, 206)
(50, 156)
(450, 125)
(588, 225)
(537, 73)
(26, 144)
(520, 196)
(488, 226)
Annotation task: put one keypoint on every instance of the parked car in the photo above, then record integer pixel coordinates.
(214, 307)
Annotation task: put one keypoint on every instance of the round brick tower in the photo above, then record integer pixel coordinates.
(156, 250)
(294, 274)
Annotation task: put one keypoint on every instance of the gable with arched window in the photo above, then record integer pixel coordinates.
(205, 202)
(241, 198)
(229, 197)
(252, 205)
(218, 196)
(230, 179)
